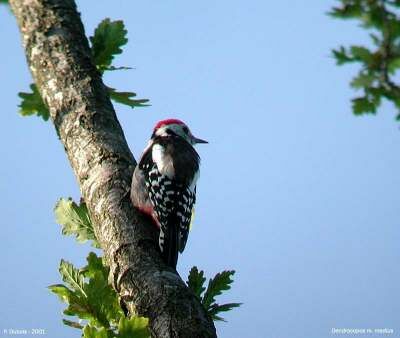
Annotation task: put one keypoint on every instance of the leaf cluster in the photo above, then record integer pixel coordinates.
(86, 291)
(106, 43)
(380, 62)
(216, 286)
(90, 298)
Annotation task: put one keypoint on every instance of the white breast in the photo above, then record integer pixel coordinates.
(164, 162)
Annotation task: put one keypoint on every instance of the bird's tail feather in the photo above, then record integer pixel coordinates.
(170, 245)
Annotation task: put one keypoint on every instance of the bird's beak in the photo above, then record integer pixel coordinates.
(198, 140)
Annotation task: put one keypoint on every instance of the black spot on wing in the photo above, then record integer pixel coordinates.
(184, 211)
(173, 204)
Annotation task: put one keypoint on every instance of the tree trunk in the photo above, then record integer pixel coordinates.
(59, 58)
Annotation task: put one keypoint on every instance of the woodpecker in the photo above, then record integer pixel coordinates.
(164, 184)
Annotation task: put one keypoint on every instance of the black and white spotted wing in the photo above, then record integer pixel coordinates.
(173, 203)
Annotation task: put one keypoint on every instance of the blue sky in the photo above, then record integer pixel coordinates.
(296, 194)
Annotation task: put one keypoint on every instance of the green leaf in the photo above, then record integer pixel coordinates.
(362, 80)
(215, 308)
(107, 41)
(4, 2)
(126, 98)
(95, 265)
(196, 281)
(375, 16)
(348, 11)
(222, 281)
(92, 332)
(103, 301)
(32, 104)
(77, 305)
(101, 296)
(79, 308)
(72, 324)
(361, 54)
(63, 293)
(341, 56)
(375, 39)
(394, 64)
(396, 99)
(95, 300)
(72, 277)
(362, 105)
(135, 327)
(216, 285)
(75, 220)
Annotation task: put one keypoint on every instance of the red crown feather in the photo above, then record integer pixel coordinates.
(167, 122)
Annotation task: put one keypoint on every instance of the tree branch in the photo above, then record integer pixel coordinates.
(59, 58)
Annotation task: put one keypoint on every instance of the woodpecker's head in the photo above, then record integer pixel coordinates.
(174, 127)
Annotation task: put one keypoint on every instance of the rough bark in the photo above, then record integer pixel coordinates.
(59, 58)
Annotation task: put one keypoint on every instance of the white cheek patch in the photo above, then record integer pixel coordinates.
(157, 154)
(164, 163)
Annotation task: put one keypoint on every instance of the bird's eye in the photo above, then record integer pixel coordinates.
(185, 129)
